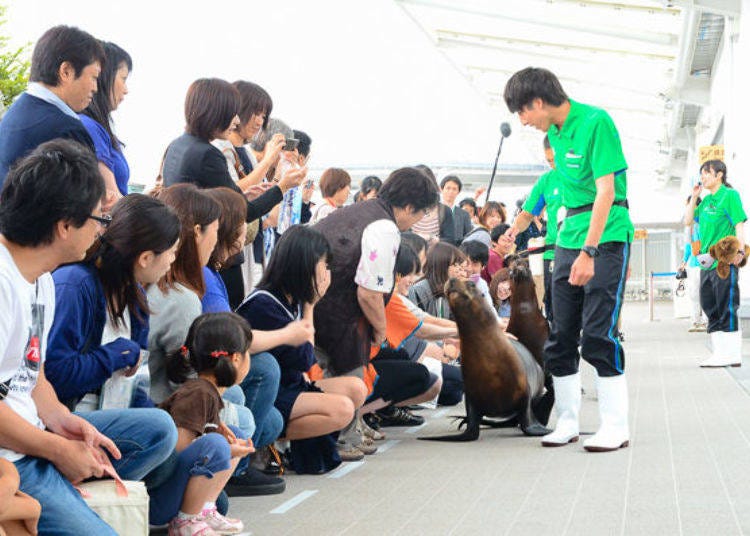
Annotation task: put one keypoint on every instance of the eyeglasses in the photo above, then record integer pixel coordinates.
(103, 220)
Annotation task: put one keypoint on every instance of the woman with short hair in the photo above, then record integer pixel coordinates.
(335, 185)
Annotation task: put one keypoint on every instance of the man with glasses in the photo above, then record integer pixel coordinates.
(50, 214)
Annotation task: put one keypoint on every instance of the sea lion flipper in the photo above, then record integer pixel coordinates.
(542, 406)
(473, 418)
(529, 425)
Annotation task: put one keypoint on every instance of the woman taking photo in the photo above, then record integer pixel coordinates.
(719, 214)
(101, 313)
(112, 88)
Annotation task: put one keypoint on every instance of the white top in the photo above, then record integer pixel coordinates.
(321, 211)
(380, 242)
(227, 149)
(26, 314)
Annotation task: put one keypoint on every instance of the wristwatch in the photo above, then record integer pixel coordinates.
(591, 251)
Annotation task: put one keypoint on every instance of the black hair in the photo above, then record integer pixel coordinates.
(476, 251)
(407, 261)
(498, 230)
(468, 202)
(100, 109)
(697, 200)
(139, 224)
(427, 171)
(417, 243)
(368, 184)
(304, 142)
(410, 186)
(717, 166)
(211, 341)
(291, 269)
(533, 83)
(546, 143)
(57, 181)
(451, 178)
(58, 45)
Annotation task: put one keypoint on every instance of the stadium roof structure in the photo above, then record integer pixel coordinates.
(649, 63)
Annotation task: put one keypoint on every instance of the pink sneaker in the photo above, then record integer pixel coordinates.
(220, 524)
(192, 526)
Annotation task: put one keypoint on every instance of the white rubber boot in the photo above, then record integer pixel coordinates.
(567, 407)
(613, 433)
(726, 350)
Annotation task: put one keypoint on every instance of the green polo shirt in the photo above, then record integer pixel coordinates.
(588, 147)
(717, 215)
(546, 192)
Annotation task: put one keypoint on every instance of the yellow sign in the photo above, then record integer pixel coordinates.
(640, 234)
(710, 152)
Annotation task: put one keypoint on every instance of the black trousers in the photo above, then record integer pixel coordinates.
(720, 300)
(548, 265)
(587, 316)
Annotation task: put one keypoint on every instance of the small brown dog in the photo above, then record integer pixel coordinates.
(725, 251)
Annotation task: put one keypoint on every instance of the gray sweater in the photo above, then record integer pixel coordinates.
(172, 313)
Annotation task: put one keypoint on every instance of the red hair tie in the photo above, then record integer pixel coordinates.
(218, 353)
(184, 350)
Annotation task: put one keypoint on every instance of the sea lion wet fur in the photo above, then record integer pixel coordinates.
(501, 377)
(528, 325)
(724, 251)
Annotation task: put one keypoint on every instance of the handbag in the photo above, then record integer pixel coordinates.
(123, 505)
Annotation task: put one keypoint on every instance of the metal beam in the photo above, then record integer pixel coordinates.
(475, 38)
(730, 8)
(601, 30)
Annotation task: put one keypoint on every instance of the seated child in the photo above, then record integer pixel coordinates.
(477, 256)
(19, 513)
(207, 451)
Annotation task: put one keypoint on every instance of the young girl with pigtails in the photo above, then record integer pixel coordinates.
(207, 452)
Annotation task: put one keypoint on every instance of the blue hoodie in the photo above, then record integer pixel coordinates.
(76, 362)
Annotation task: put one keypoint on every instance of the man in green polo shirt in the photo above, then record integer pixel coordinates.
(544, 194)
(591, 255)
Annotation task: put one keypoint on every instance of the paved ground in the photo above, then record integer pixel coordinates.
(686, 471)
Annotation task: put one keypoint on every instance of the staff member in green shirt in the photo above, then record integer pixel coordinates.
(719, 215)
(591, 257)
(545, 193)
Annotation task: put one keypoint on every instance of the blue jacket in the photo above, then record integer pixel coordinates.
(76, 361)
(31, 121)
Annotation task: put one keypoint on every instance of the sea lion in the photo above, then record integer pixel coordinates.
(528, 325)
(501, 377)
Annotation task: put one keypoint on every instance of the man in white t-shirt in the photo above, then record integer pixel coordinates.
(50, 214)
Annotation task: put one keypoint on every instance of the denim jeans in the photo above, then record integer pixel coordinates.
(207, 455)
(145, 438)
(261, 387)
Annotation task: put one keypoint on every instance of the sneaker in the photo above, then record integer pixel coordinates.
(370, 432)
(372, 421)
(695, 327)
(220, 524)
(252, 482)
(393, 416)
(349, 453)
(190, 526)
(367, 446)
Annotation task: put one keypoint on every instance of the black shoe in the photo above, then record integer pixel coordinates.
(372, 420)
(393, 416)
(253, 482)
